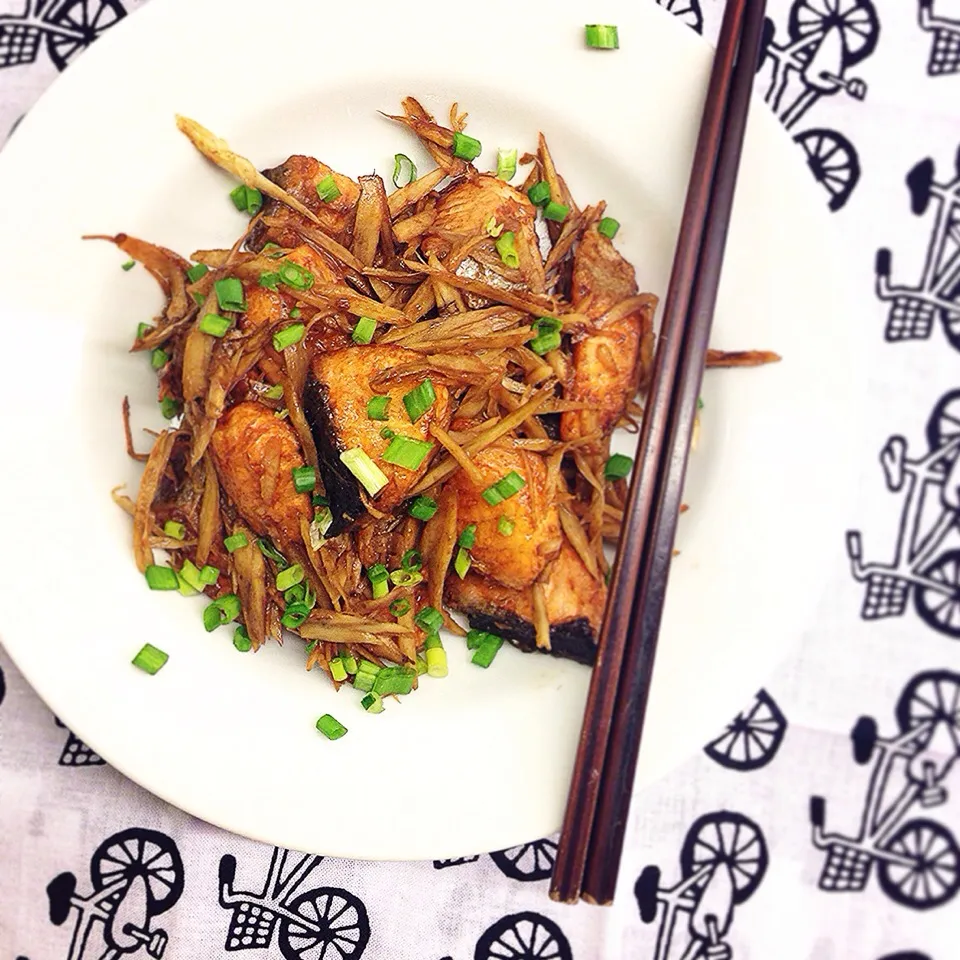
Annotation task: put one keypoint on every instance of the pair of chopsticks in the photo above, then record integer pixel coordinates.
(591, 840)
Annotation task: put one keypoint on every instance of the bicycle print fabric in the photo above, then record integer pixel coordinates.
(822, 823)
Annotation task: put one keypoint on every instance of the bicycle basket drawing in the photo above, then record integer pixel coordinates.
(945, 49)
(752, 738)
(523, 936)
(76, 753)
(845, 869)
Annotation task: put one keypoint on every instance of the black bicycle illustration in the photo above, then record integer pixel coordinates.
(825, 40)
(923, 561)
(3, 686)
(945, 50)
(906, 955)
(526, 862)
(752, 739)
(722, 862)
(67, 26)
(523, 936)
(75, 752)
(917, 860)
(136, 875)
(687, 11)
(914, 308)
(320, 923)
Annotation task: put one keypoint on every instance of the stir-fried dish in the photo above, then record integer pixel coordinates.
(388, 407)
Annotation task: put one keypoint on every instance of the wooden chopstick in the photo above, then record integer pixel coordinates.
(591, 839)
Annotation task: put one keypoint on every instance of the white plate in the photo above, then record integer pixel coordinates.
(481, 760)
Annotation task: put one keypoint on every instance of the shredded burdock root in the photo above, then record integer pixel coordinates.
(390, 407)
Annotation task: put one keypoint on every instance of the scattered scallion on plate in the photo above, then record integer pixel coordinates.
(150, 659)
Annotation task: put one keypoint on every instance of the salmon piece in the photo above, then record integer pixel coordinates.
(255, 453)
(514, 561)
(575, 603)
(335, 402)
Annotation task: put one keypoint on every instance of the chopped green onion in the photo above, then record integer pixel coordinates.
(288, 336)
(506, 163)
(543, 343)
(547, 325)
(295, 276)
(349, 662)
(174, 529)
(159, 358)
(556, 211)
(221, 611)
(289, 577)
(337, 670)
(484, 654)
(275, 392)
(405, 578)
(295, 594)
(505, 526)
(185, 587)
(378, 576)
(539, 193)
(331, 727)
(506, 249)
(399, 161)
(406, 452)
(602, 36)
(429, 619)
(319, 500)
(431, 641)
(387, 433)
(608, 227)
(272, 250)
(366, 675)
(129, 265)
(304, 478)
(422, 508)
(421, 665)
(197, 272)
(170, 408)
(215, 325)
(198, 298)
(617, 467)
(150, 659)
(394, 680)
(504, 488)
(190, 576)
(377, 407)
(160, 578)
(294, 615)
(364, 469)
(475, 638)
(230, 294)
(247, 198)
(419, 400)
(209, 574)
(295, 313)
(469, 536)
(241, 639)
(143, 329)
(270, 551)
(309, 598)
(466, 148)
(235, 541)
(699, 403)
(411, 560)
(364, 330)
(327, 189)
(270, 280)
(399, 607)
(323, 518)
(372, 703)
(436, 658)
(493, 228)
(462, 563)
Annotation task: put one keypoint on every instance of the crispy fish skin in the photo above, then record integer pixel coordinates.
(575, 603)
(335, 401)
(255, 453)
(514, 561)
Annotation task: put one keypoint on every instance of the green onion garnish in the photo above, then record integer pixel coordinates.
(174, 529)
(215, 325)
(378, 576)
(190, 577)
(295, 276)
(429, 619)
(365, 470)
(327, 189)
(241, 639)
(143, 329)
(421, 664)
(419, 400)
(506, 249)
(247, 198)
(394, 680)
(337, 670)
(288, 336)
(505, 526)
(289, 577)
(235, 541)
(399, 607)
(400, 160)
(221, 611)
(608, 227)
(466, 148)
(372, 703)
(294, 615)
(198, 298)
(160, 578)
(484, 654)
(275, 392)
(304, 478)
(493, 228)
(331, 727)
(405, 578)
(475, 638)
(435, 656)
(295, 313)
(406, 452)
(271, 552)
(387, 433)
(468, 538)
(699, 403)
(543, 343)
(556, 211)
(150, 659)
(539, 193)
(230, 294)
(129, 265)
(319, 500)
(377, 407)
(504, 488)
(295, 594)
(349, 663)
(423, 508)
(462, 562)
(602, 36)
(366, 675)
(159, 358)
(272, 250)
(617, 467)
(209, 575)
(170, 408)
(411, 560)
(197, 272)
(270, 280)
(506, 163)
(547, 325)
(364, 330)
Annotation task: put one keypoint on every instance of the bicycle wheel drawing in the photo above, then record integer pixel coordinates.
(940, 609)
(88, 17)
(933, 876)
(909, 955)
(455, 862)
(833, 161)
(752, 738)
(147, 854)
(726, 839)
(523, 936)
(3, 686)
(337, 927)
(944, 423)
(529, 861)
(856, 21)
(931, 698)
(687, 11)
